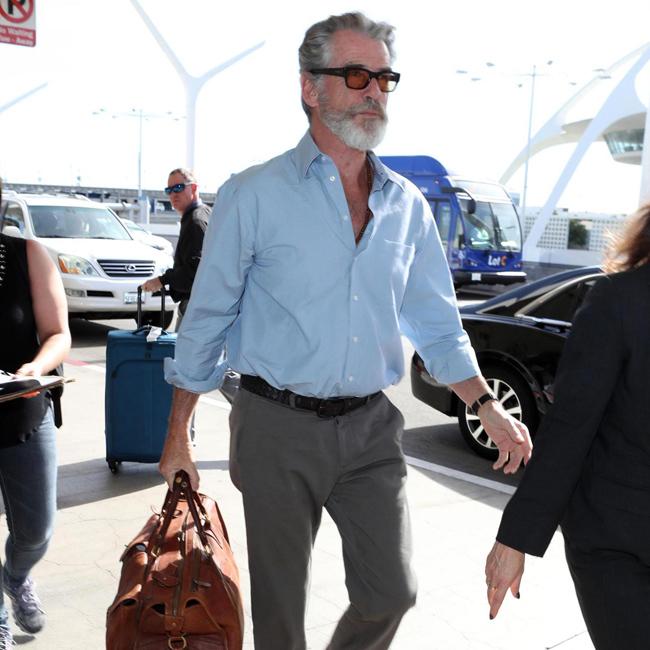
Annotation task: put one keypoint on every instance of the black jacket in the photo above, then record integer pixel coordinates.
(188, 252)
(590, 469)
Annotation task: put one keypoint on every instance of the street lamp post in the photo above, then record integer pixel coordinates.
(524, 194)
(533, 77)
(141, 116)
(535, 72)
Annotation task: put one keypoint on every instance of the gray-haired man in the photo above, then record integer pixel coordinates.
(321, 257)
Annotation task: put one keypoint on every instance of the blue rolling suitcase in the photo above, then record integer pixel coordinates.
(138, 399)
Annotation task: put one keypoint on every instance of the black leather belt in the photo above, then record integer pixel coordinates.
(324, 408)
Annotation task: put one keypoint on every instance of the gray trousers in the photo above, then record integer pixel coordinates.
(289, 464)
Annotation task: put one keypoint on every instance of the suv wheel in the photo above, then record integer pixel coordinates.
(516, 398)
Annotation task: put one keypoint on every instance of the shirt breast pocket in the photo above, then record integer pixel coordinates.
(390, 268)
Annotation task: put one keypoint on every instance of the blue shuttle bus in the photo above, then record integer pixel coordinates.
(477, 221)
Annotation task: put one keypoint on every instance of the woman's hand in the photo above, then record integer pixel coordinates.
(31, 369)
(504, 569)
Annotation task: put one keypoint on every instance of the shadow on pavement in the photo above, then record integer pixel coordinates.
(86, 334)
(91, 481)
(443, 445)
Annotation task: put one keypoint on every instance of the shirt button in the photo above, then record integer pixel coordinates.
(355, 339)
(332, 178)
(355, 297)
(350, 378)
(344, 217)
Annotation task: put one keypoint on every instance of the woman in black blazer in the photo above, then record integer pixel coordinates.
(590, 469)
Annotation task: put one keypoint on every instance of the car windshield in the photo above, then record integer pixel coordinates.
(493, 226)
(76, 222)
(133, 226)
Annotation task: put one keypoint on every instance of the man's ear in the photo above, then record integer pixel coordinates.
(309, 90)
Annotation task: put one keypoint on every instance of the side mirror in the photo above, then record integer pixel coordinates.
(12, 231)
(471, 206)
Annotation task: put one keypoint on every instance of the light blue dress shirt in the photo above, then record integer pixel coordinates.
(283, 287)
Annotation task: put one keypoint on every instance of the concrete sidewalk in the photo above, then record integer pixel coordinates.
(454, 523)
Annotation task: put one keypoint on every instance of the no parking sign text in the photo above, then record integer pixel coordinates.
(18, 22)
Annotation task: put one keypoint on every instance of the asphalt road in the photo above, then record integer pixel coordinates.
(428, 436)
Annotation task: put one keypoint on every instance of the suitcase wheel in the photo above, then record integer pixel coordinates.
(113, 465)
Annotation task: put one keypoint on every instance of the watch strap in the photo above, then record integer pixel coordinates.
(486, 397)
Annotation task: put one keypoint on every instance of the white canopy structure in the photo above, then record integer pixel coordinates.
(622, 121)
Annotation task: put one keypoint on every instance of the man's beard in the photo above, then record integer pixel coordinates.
(364, 136)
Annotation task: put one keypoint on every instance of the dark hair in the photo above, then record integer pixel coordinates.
(314, 51)
(631, 249)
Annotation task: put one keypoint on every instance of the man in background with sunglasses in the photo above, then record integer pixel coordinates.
(313, 265)
(183, 192)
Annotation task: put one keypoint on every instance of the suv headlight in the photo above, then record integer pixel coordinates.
(76, 265)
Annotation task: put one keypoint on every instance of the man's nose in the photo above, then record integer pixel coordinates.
(373, 90)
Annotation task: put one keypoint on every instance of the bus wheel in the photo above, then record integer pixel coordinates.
(515, 397)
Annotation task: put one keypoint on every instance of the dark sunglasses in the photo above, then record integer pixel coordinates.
(358, 78)
(177, 189)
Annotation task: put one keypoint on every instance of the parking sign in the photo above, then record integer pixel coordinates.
(18, 22)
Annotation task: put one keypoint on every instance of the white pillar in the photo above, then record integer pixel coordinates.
(644, 195)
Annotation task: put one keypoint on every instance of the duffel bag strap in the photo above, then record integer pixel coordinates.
(168, 512)
(200, 522)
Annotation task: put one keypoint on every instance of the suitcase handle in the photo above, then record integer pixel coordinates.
(162, 306)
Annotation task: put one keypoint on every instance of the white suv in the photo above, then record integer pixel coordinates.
(100, 262)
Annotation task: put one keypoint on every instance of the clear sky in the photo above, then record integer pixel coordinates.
(98, 54)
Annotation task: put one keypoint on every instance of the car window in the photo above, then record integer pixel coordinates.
(14, 217)
(76, 222)
(563, 304)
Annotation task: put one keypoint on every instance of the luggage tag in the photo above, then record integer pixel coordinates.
(154, 334)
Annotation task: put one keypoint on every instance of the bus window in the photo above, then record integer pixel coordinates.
(459, 235)
(493, 226)
(442, 216)
(479, 227)
(507, 222)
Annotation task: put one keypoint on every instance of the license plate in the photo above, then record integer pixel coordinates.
(131, 297)
(476, 277)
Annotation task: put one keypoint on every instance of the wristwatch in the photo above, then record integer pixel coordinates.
(486, 397)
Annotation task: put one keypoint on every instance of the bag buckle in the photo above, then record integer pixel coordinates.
(173, 642)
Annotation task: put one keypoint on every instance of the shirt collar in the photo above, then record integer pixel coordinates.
(307, 152)
(190, 208)
(384, 174)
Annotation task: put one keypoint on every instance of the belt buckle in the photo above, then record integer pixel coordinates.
(325, 408)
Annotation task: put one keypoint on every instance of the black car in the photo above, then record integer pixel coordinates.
(518, 337)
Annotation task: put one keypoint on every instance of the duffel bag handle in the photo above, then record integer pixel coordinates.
(181, 488)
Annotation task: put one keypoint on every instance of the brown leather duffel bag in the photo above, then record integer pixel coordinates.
(179, 586)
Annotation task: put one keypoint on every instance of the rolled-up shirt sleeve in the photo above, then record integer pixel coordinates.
(429, 316)
(200, 362)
